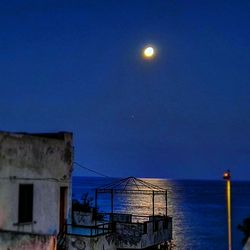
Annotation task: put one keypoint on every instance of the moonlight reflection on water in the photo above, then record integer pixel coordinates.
(197, 207)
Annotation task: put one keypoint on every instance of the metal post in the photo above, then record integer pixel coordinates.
(96, 194)
(112, 204)
(227, 177)
(96, 197)
(166, 200)
(153, 200)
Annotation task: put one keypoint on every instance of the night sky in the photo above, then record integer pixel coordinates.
(76, 66)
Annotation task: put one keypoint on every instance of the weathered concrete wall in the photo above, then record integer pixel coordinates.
(24, 155)
(45, 162)
(132, 235)
(83, 218)
(129, 235)
(247, 245)
(155, 237)
(45, 207)
(104, 242)
(19, 241)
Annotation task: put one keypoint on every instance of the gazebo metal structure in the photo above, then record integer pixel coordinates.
(131, 185)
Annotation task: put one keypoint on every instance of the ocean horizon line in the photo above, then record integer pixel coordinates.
(160, 178)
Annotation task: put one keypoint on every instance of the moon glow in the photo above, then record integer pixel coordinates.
(148, 52)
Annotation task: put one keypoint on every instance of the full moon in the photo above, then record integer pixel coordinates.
(149, 52)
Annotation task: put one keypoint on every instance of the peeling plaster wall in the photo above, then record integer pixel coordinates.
(83, 218)
(33, 156)
(17, 241)
(131, 235)
(247, 245)
(104, 242)
(155, 237)
(37, 160)
(45, 207)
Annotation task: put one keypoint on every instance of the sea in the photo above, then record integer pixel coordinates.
(198, 208)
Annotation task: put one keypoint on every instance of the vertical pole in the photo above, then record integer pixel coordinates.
(153, 201)
(227, 177)
(166, 200)
(229, 214)
(96, 197)
(112, 203)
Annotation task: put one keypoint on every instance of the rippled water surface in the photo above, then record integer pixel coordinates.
(197, 207)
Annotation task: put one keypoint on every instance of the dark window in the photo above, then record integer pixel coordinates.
(25, 208)
(156, 225)
(165, 223)
(145, 227)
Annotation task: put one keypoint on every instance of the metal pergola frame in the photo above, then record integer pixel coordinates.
(131, 185)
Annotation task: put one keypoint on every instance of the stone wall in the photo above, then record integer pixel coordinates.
(20, 241)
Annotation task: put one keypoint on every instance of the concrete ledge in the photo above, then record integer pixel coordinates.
(11, 240)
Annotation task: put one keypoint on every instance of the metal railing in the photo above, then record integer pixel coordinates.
(120, 217)
(96, 230)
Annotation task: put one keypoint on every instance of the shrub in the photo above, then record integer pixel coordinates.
(245, 228)
(87, 206)
(84, 206)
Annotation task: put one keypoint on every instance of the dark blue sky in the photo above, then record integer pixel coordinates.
(76, 65)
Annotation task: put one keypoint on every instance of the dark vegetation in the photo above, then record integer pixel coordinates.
(86, 206)
(245, 228)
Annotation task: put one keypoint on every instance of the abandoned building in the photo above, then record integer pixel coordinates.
(114, 230)
(35, 189)
(36, 202)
